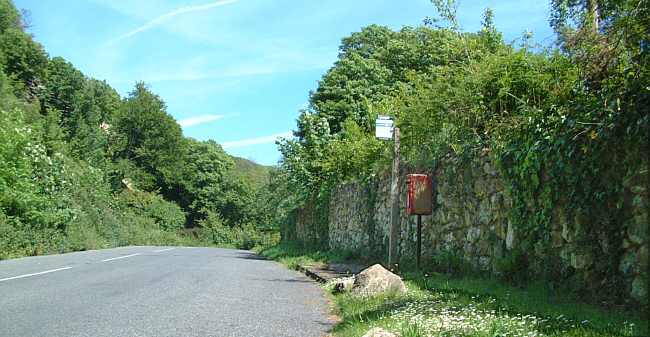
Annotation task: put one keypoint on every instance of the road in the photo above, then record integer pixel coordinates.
(158, 291)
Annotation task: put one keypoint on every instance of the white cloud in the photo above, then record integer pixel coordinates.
(255, 141)
(196, 120)
(167, 16)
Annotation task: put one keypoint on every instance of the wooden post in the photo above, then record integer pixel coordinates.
(393, 238)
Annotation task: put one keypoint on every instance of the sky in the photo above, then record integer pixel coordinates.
(237, 71)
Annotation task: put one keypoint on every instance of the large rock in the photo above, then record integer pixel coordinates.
(379, 332)
(377, 279)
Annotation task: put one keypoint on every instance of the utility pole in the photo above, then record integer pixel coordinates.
(393, 238)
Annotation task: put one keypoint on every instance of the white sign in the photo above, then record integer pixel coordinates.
(384, 127)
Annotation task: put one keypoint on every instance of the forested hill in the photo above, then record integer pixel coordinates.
(255, 174)
(82, 167)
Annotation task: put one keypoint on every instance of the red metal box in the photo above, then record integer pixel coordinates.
(420, 191)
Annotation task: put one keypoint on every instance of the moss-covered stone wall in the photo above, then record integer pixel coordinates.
(472, 224)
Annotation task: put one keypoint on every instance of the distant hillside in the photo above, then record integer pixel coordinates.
(255, 174)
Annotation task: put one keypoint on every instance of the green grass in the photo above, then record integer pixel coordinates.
(294, 254)
(438, 305)
(441, 305)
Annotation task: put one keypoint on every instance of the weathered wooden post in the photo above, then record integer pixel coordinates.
(393, 239)
(384, 130)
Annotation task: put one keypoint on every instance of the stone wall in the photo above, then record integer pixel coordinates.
(471, 221)
(308, 224)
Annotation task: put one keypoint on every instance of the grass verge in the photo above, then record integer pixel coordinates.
(441, 305)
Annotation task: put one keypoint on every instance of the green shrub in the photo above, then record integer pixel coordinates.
(167, 215)
(244, 236)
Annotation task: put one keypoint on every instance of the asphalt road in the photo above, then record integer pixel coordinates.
(158, 291)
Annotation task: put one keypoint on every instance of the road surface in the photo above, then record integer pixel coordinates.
(158, 291)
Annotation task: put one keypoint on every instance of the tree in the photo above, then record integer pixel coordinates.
(203, 181)
(153, 140)
(63, 83)
(346, 89)
(489, 33)
(89, 123)
(367, 42)
(9, 16)
(24, 61)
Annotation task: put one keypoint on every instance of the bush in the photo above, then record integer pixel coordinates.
(167, 215)
(244, 236)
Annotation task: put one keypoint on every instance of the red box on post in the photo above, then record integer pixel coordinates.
(419, 194)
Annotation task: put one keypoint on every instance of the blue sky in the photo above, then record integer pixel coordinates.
(236, 71)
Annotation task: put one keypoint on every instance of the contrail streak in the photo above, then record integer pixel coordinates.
(167, 16)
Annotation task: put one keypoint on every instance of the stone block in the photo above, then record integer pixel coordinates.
(567, 233)
(629, 263)
(637, 230)
(556, 239)
(484, 263)
(484, 247)
(489, 169)
(643, 257)
(581, 261)
(473, 234)
(640, 289)
(510, 236)
(501, 230)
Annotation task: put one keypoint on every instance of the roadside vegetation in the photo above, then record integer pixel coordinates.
(559, 122)
(439, 304)
(83, 168)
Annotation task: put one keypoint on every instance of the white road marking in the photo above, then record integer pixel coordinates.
(34, 274)
(163, 250)
(120, 257)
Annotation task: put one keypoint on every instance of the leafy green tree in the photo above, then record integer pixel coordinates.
(366, 43)
(24, 60)
(94, 107)
(153, 140)
(346, 89)
(63, 83)
(54, 136)
(489, 33)
(9, 16)
(204, 175)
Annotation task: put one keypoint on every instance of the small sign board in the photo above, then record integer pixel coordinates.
(384, 127)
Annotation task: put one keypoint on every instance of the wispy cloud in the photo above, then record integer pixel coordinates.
(255, 141)
(167, 16)
(197, 120)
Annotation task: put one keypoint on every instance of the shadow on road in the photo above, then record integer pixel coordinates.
(251, 256)
(285, 280)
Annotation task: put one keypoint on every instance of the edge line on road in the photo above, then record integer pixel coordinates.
(34, 274)
(120, 257)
